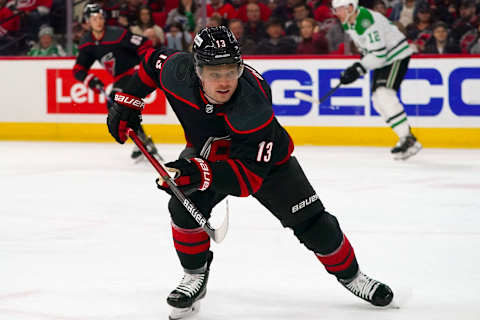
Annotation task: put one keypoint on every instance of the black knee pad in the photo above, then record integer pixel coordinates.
(320, 233)
(180, 216)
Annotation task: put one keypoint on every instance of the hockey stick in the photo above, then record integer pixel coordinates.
(306, 97)
(216, 234)
(107, 97)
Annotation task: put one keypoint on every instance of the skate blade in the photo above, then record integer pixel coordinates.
(413, 150)
(182, 313)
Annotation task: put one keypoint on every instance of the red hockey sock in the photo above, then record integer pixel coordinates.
(342, 261)
(190, 241)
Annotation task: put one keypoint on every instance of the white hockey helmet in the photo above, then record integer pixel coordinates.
(340, 3)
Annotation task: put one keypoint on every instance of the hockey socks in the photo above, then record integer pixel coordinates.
(192, 246)
(341, 262)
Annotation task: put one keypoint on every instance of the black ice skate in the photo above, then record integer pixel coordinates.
(368, 289)
(148, 142)
(185, 299)
(406, 148)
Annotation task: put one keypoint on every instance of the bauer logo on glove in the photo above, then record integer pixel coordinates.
(191, 175)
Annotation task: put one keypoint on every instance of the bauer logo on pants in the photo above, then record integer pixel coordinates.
(66, 95)
(304, 203)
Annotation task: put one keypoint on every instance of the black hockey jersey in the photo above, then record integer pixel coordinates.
(241, 139)
(118, 51)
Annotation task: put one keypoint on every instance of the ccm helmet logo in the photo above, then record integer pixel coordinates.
(129, 101)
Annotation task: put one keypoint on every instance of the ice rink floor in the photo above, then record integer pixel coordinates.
(85, 235)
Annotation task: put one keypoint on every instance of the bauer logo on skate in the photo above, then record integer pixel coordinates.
(67, 95)
(304, 203)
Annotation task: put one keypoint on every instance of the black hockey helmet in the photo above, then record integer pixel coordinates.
(92, 8)
(215, 46)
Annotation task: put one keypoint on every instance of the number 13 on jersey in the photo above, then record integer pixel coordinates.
(264, 151)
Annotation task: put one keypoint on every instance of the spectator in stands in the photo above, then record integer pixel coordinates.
(185, 14)
(444, 10)
(157, 5)
(468, 40)
(265, 11)
(313, 41)
(379, 6)
(46, 47)
(467, 20)
(247, 45)
(322, 11)
(130, 11)
(145, 21)
(9, 26)
(440, 42)
(292, 27)
(403, 12)
(225, 10)
(421, 23)
(9, 23)
(36, 13)
(77, 34)
(474, 48)
(277, 42)
(284, 11)
(177, 38)
(273, 4)
(122, 21)
(333, 30)
(254, 27)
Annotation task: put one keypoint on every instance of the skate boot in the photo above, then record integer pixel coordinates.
(406, 148)
(185, 299)
(368, 289)
(148, 142)
(152, 149)
(136, 153)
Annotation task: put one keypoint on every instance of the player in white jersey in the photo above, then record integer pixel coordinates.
(386, 51)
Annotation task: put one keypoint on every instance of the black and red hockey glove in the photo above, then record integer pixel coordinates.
(352, 73)
(125, 113)
(94, 83)
(193, 174)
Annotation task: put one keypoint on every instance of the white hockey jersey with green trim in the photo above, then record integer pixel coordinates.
(379, 40)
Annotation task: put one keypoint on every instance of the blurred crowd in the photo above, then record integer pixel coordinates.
(263, 27)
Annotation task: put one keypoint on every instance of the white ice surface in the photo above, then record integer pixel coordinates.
(85, 235)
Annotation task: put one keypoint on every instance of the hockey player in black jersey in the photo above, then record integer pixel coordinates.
(118, 51)
(236, 147)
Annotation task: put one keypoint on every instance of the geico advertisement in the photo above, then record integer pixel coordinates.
(435, 92)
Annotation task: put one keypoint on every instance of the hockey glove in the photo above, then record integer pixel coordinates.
(94, 83)
(192, 175)
(352, 73)
(125, 113)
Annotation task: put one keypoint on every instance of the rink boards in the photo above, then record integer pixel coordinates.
(42, 101)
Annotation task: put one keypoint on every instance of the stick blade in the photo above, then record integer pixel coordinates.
(221, 231)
